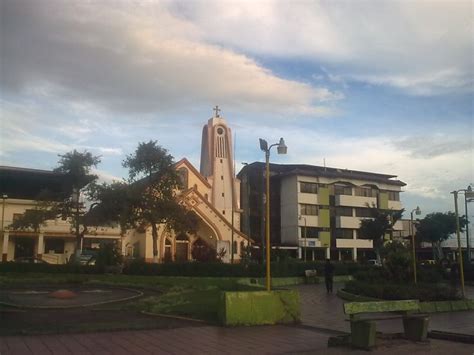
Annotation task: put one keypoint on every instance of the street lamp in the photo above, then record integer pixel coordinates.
(468, 197)
(304, 236)
(281, 149)
(412, 232)
(467, 193)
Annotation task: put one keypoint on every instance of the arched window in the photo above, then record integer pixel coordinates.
(183, 177)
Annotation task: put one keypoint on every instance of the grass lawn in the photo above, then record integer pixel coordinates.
(193, 297)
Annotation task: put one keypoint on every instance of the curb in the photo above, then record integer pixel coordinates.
(457, 337)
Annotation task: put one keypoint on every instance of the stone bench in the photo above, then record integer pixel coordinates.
(363, 315)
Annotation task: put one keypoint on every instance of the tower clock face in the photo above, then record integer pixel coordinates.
(220, 131)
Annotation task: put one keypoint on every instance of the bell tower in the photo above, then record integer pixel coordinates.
(217, 166)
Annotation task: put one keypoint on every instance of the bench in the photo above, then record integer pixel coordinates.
(363, 315)
(311, 276)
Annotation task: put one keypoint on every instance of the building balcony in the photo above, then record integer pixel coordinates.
(309, 243)
(311, 199)
(347, 222)
(354, 201)
(394, 205)
(354, 243)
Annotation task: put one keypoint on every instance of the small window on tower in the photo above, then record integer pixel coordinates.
(222, 194)
(222, 177)
(223, 212)
(220, 131)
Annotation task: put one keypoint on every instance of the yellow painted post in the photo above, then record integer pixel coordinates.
(267, 218)
(461, 266)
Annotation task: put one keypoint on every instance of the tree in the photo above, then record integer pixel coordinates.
(75, 168)
(436, 227)
(36, 217)
(379, 223)
(112, 205)
(153, 182)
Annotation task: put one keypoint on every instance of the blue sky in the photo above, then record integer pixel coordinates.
(381, 86)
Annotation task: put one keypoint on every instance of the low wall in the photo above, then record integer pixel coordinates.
(259, 307)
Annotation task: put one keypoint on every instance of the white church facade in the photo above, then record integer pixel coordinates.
(212, 194)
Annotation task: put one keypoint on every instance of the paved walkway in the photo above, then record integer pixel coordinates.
(323, 310)
(320, 312)
(208, 340)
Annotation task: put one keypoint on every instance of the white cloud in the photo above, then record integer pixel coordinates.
(137, 58)
(422, 47)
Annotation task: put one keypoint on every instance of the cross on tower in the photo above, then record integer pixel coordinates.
(216, 109)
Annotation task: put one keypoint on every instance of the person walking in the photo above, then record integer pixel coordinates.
(328, 275)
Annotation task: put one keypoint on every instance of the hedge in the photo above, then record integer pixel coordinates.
(137, 267)
(390, 291)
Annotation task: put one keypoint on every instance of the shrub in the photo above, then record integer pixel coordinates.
(397, 262)
(108, 255)
(389, 291)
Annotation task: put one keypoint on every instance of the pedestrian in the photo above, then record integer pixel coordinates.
(328, 275)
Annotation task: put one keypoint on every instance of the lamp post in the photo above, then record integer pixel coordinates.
(304, 236)
(418, 212)
(461, 266)
(281, 149)
(4, 252)
(468, 197)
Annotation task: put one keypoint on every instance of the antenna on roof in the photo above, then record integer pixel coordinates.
(324, 163)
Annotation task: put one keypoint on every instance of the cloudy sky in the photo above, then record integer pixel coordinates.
(381, 86)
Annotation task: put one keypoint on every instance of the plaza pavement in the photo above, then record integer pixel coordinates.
(322, 317)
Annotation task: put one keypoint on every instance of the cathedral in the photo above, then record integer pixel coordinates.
(212, 193)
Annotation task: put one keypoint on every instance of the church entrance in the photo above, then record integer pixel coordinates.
(182, 248)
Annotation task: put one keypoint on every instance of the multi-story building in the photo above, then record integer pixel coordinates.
(54, 241)
(316, 211)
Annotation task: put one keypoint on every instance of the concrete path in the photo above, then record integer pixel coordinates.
(323, 310)
(208, 340)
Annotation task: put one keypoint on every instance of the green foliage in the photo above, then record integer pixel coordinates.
(378, 225)
(397, 262)
(397, 291)
(437, 227)
(153, 184)
(77, 167)
(113, 205)
(109, 255)
(34, 218)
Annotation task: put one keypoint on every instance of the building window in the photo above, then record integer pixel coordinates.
(309, 210)
(183, 177)
(393, 195)
(363, 212)
(308, 187)
(343, 211)
(311, 232)
(234, 247)
(364, 191)
(53, 245)
(341, 233)
(342, 190)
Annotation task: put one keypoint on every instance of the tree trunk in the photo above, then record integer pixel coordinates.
(154, 233)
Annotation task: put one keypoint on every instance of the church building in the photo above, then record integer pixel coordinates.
(212, 193)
